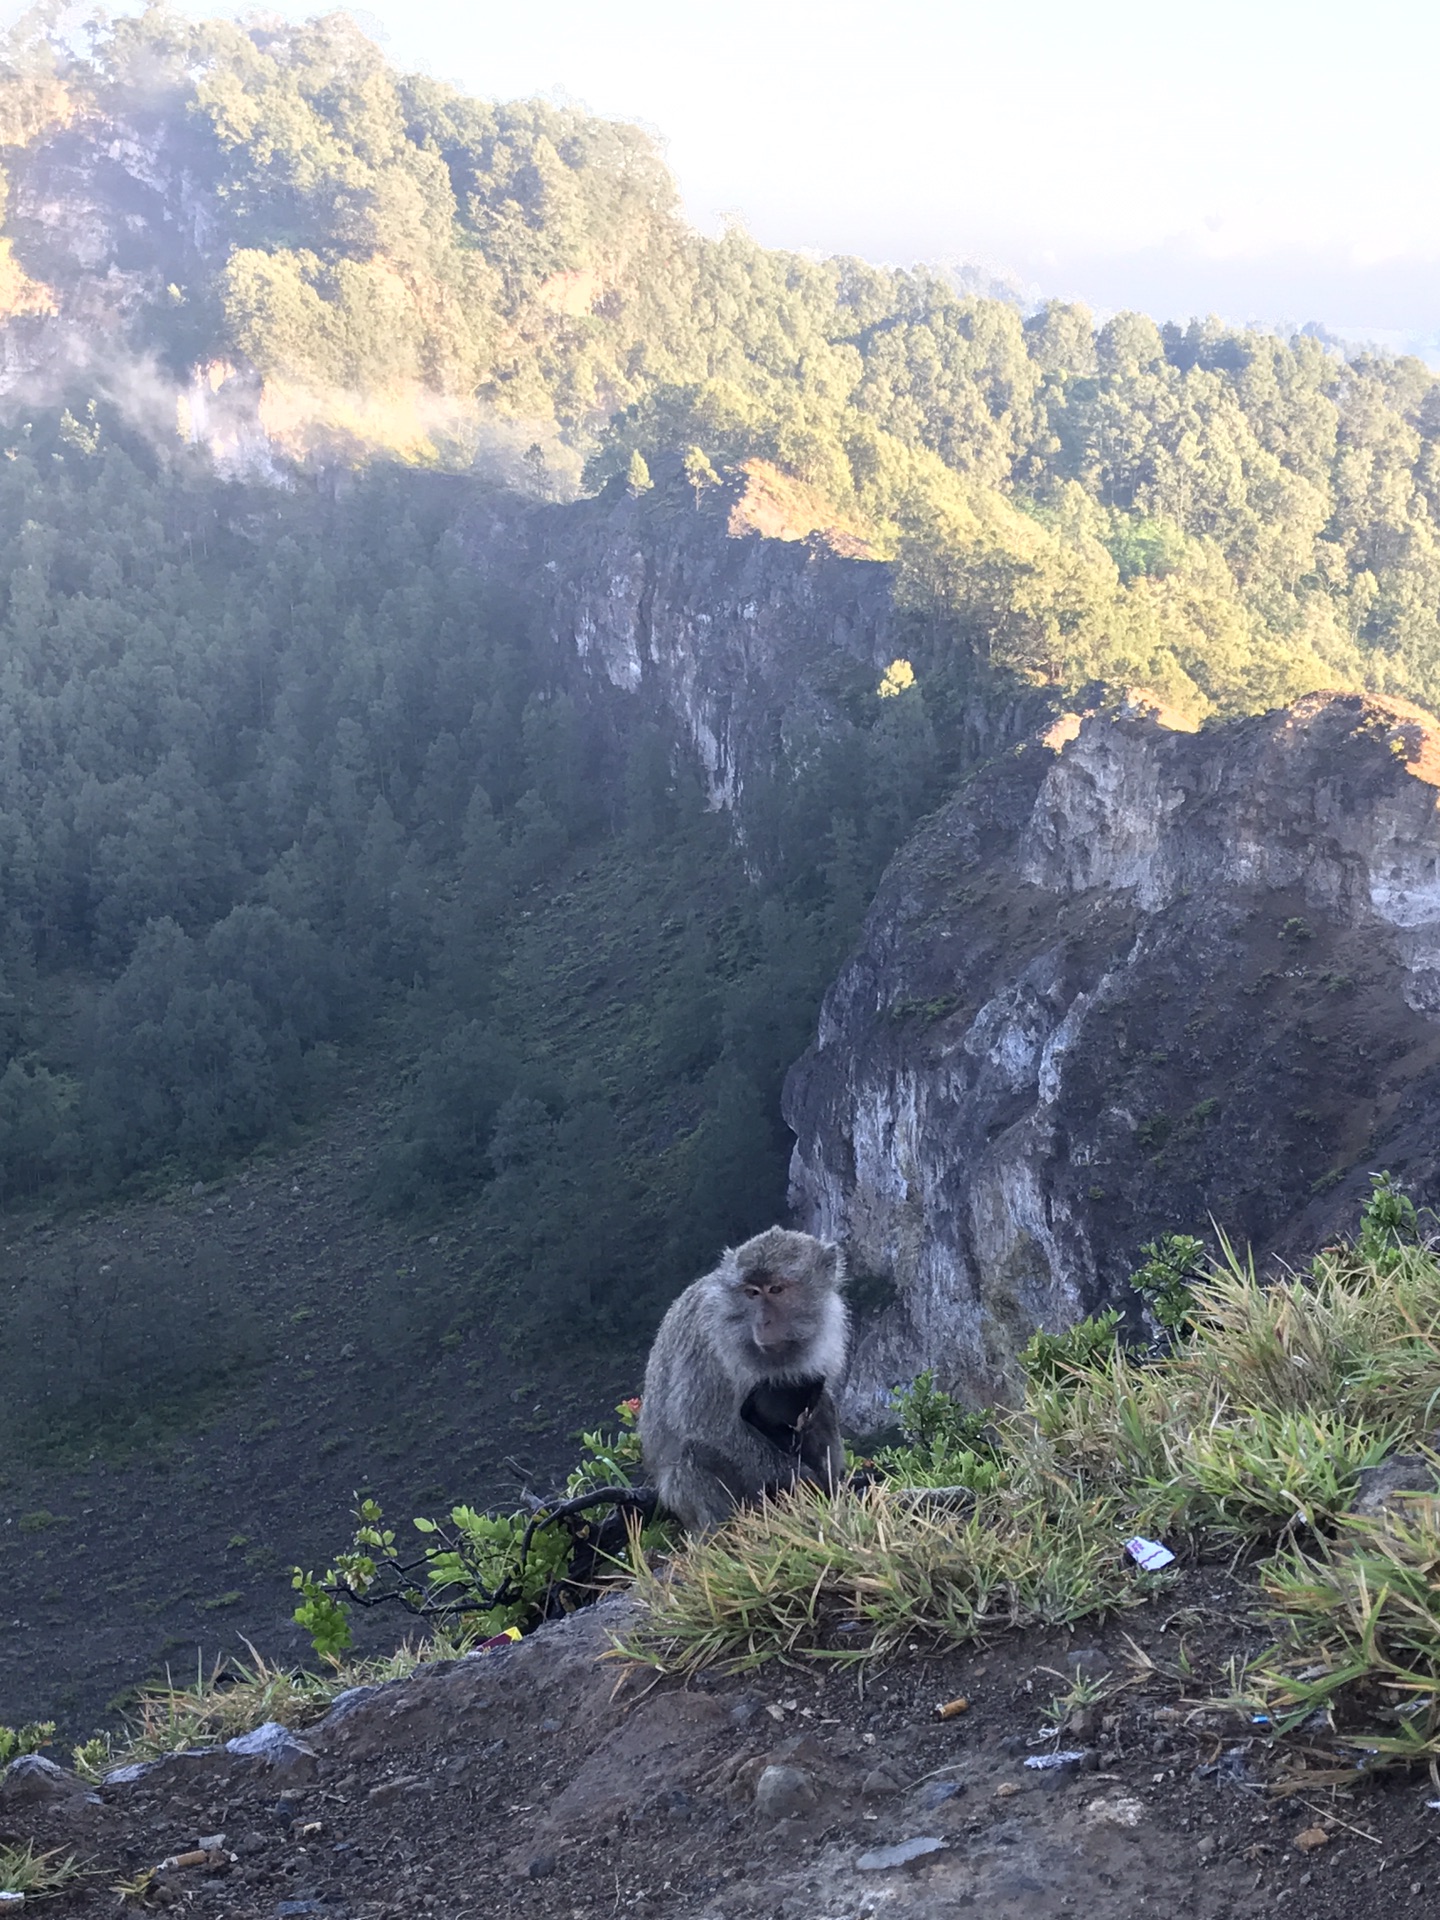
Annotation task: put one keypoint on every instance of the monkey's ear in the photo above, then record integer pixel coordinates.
(829, 1258)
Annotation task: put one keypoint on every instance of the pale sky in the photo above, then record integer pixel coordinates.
(1264, 159)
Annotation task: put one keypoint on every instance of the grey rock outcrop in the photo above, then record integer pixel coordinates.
(1116, 988)
(755, 647)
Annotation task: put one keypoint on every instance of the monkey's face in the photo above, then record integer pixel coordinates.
(779, 1312)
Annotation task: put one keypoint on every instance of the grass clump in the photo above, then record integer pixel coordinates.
(24, 1871)
(236, 1697)
(1357, 1664)
(859, 1574)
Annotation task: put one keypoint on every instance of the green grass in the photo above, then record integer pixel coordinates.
(23, 1870)
(1357, 1664)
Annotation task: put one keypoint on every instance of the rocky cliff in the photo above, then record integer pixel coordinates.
(755, 646)
(1122, 983)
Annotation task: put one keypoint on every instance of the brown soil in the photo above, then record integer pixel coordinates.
(152, 1559)
(542, 1782)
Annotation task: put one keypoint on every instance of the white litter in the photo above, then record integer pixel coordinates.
(1068, 1757)
(1148, 1554)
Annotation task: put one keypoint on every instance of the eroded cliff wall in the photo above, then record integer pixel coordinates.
(757, 647)
(1119, 988)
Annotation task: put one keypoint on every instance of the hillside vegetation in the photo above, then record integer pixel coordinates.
(1229, 518)
(279, 773)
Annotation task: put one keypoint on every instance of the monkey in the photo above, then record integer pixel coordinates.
(740, 1384)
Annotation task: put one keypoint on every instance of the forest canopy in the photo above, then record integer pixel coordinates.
(1226, 517)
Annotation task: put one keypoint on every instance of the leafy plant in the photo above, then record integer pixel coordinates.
(609, 1459)
(1388, 1223)
(945, 1446)
(1052, 1359)
(486, 1571)
(1172, 1264)
(27, 1739)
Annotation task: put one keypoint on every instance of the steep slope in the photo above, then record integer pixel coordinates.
(1120, 985)
(760, 649)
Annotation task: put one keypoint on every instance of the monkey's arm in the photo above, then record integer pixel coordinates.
(822, 1452)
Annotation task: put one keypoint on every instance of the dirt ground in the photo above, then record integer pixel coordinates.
(127, 1561)
(548, 1783)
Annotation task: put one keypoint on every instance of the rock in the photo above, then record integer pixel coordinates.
(32, 1780)
(934, 1793)
(276, 1748)
(1117, 1810)
(1085, 1722)
(783, 1792)
(881, 1859)
(187, 1760)
(1382, 1489)
(880, 1781)
(127, 1776)
(1082, 954)
(1090, 1661)
(541, 1865)
(344, 1704)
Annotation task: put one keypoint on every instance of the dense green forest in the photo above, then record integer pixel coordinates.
(1229, 518)
(277, 772)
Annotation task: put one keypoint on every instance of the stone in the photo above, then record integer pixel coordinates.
(1118, 1810)
(934, 1793)
(1382, 1489)
(541, 1865)
(276, 1748)
(344, 1704)
(1090, 1661)
(1085, 1722)
(878, 1782)
(32, 1780)
(903, 1854)
(783, 1792)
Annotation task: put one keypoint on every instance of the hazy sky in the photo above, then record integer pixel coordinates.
(1266, 159)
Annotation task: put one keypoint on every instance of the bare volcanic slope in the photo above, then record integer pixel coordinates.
(1123, 984)
(548, 1782)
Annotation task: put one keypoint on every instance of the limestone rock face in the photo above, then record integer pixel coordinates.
(1114, 990)
(755, 646)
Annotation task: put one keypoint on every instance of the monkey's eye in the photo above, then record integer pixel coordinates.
(776, 1286)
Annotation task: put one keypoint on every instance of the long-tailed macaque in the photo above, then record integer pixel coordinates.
(740, 1385)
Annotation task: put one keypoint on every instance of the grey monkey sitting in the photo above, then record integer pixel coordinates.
(740, 1384)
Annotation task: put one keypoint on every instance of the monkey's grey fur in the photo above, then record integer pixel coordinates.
(771, 1317)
